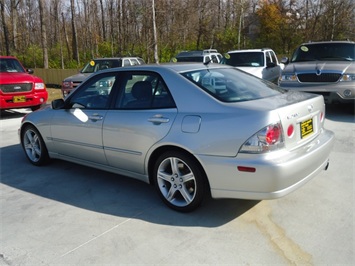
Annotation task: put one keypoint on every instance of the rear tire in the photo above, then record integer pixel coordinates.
(180, 181)
(34, 108)
(34, 146)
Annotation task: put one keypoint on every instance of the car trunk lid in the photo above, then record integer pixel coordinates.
(301, 115)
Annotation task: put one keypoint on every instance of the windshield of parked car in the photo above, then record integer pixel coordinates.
(96, 65)
(324, 52)
(11, 65)
(245, 59)
(232, 85)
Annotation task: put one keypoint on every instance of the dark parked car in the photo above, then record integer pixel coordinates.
(203, 56)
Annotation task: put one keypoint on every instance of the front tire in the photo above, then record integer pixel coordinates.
(34, 146)
(180, 181)
(34, 108)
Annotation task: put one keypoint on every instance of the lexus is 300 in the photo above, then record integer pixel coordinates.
(191, 130)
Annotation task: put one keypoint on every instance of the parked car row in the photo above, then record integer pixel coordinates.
(326, 68)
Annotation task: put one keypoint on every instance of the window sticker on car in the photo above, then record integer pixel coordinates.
(304, 48)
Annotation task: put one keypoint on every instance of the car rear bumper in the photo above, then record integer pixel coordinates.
(341, 92)
(7, 102)
(276, 174)
(65, 92)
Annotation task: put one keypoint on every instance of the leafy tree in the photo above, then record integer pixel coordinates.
(271, 23)
(74, 31)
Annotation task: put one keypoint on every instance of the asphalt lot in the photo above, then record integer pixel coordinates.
(65, 214)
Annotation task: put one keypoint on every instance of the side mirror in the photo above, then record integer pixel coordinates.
(57, 104)
(285, 60)
(29, 71)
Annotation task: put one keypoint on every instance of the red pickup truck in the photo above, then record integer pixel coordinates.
(18, 87)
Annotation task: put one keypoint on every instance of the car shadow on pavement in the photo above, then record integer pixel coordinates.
(103, 192)
(9, 114)
(340, 112)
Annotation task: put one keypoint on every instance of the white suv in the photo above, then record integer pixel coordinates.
(262, 63)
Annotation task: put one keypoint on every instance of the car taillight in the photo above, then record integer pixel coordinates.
(273, 134)
(268, 139)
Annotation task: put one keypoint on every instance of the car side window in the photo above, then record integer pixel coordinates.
(94, 94)
(144, 91)
(134, 62)
(126, 62)
(268, 58)
(273, 57)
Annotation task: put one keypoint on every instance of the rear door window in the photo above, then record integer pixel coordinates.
(143, 90)
(268, 58)
(134, 62)
(273, 57)
(126, 62)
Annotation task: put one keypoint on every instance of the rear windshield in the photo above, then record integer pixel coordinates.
(324, 52)
(244, 59)
(232, 85)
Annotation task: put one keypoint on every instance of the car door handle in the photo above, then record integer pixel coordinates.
(96, 117)
(158, 119)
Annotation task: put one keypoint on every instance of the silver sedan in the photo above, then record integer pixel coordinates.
(191, 130)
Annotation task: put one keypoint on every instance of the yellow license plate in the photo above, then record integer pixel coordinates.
(19, 99)
(306, 128)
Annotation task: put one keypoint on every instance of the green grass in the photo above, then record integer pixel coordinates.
(54, 94)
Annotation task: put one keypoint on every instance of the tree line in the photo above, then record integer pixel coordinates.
(68, 33)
